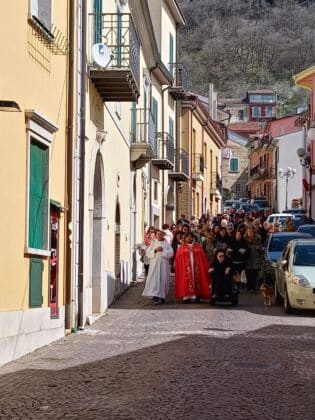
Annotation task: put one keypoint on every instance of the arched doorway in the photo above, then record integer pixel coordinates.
(97, 237)
(117, 251)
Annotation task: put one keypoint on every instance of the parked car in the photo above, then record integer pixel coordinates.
(247, 208)
(307, 229)
(264, 205)
(231, 204)
(273, 250)
(244, 200)
(281, 218)
(296, 211)
(295, 275)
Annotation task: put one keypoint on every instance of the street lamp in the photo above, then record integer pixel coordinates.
(289, 173)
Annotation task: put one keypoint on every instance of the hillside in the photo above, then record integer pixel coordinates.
(241, 44)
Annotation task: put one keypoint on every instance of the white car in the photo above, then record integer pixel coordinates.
(280, 218)
(295, 275)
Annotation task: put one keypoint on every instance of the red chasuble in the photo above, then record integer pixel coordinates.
(188, 283)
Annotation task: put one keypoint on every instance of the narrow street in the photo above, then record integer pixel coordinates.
(175, 361)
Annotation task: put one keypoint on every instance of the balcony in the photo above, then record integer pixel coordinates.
(215, 184)
(164, 158)
(119, 79)
(143, 146)
(179, 88)
(181, 167)
(258, 173)
(198, 167)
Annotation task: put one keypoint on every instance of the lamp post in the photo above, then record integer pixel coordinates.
(289, 173)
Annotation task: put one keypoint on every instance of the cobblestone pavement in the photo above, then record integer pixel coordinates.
(171, 362)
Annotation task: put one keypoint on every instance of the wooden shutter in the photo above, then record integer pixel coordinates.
(35, 292)
(133, 123)
(97, 10)
(171, 51)
(38, 196)
(171, 128)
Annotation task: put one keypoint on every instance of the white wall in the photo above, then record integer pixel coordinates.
(287, 157)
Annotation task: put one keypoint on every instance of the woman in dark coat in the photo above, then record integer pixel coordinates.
(221, 271)
(239, 252)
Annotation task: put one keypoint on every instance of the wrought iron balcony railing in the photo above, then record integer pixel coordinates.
(198, 166)
(164, 157)
(181, 166)
(143, 142)
(179, 88)
(116, 75)
(215, 183)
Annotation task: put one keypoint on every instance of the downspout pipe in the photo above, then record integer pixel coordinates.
(82, 162)
(69, 169)
(163, 176)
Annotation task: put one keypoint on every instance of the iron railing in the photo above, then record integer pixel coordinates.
(181, 162)
(179, 73)
(165, 146)
(215, 182)
(143, 129)
(117, 32)
(198, 164)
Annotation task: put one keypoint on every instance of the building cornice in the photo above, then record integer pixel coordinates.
(176, 12)
(303, 79)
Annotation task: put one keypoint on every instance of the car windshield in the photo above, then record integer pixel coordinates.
(262, 203)
(304, 255)
(279, 219)
(277, 243)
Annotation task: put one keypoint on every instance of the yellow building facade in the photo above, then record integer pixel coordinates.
(33, 115)
(202, 138)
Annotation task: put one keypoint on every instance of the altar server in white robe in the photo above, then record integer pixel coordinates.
(159, 253)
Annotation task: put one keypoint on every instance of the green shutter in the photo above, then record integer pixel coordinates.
(133, 129)
(36, 272)
(154, 112)
(233, 165)
(171, 57)
(171, 127)
(38, 196)
(97, 10)
(119, 38)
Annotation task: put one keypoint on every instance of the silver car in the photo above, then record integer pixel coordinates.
(295, 275)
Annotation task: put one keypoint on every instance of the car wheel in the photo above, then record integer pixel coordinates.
(278, 297)
(286, 303)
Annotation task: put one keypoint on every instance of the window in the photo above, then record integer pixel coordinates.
(241, 115)
(269, 111)
(256, 112)
(40, 132)
(155, 190)
(171, 127)
(233, 165)
(41, 12)
(154, 112)
(38, 196)
(133, 128)
(238, 187)
(97, 10)
(171, 53)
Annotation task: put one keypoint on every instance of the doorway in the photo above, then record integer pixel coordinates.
(97, 238)
(117, 251)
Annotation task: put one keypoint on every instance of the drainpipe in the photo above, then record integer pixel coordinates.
(82, 163)
(69, 178)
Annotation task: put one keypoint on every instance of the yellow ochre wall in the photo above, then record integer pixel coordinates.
(36, 79)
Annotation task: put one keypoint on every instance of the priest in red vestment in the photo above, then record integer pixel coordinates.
(191, 272)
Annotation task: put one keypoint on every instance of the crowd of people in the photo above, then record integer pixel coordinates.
(207, 255)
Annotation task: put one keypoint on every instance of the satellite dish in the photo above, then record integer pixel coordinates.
(101, 54)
